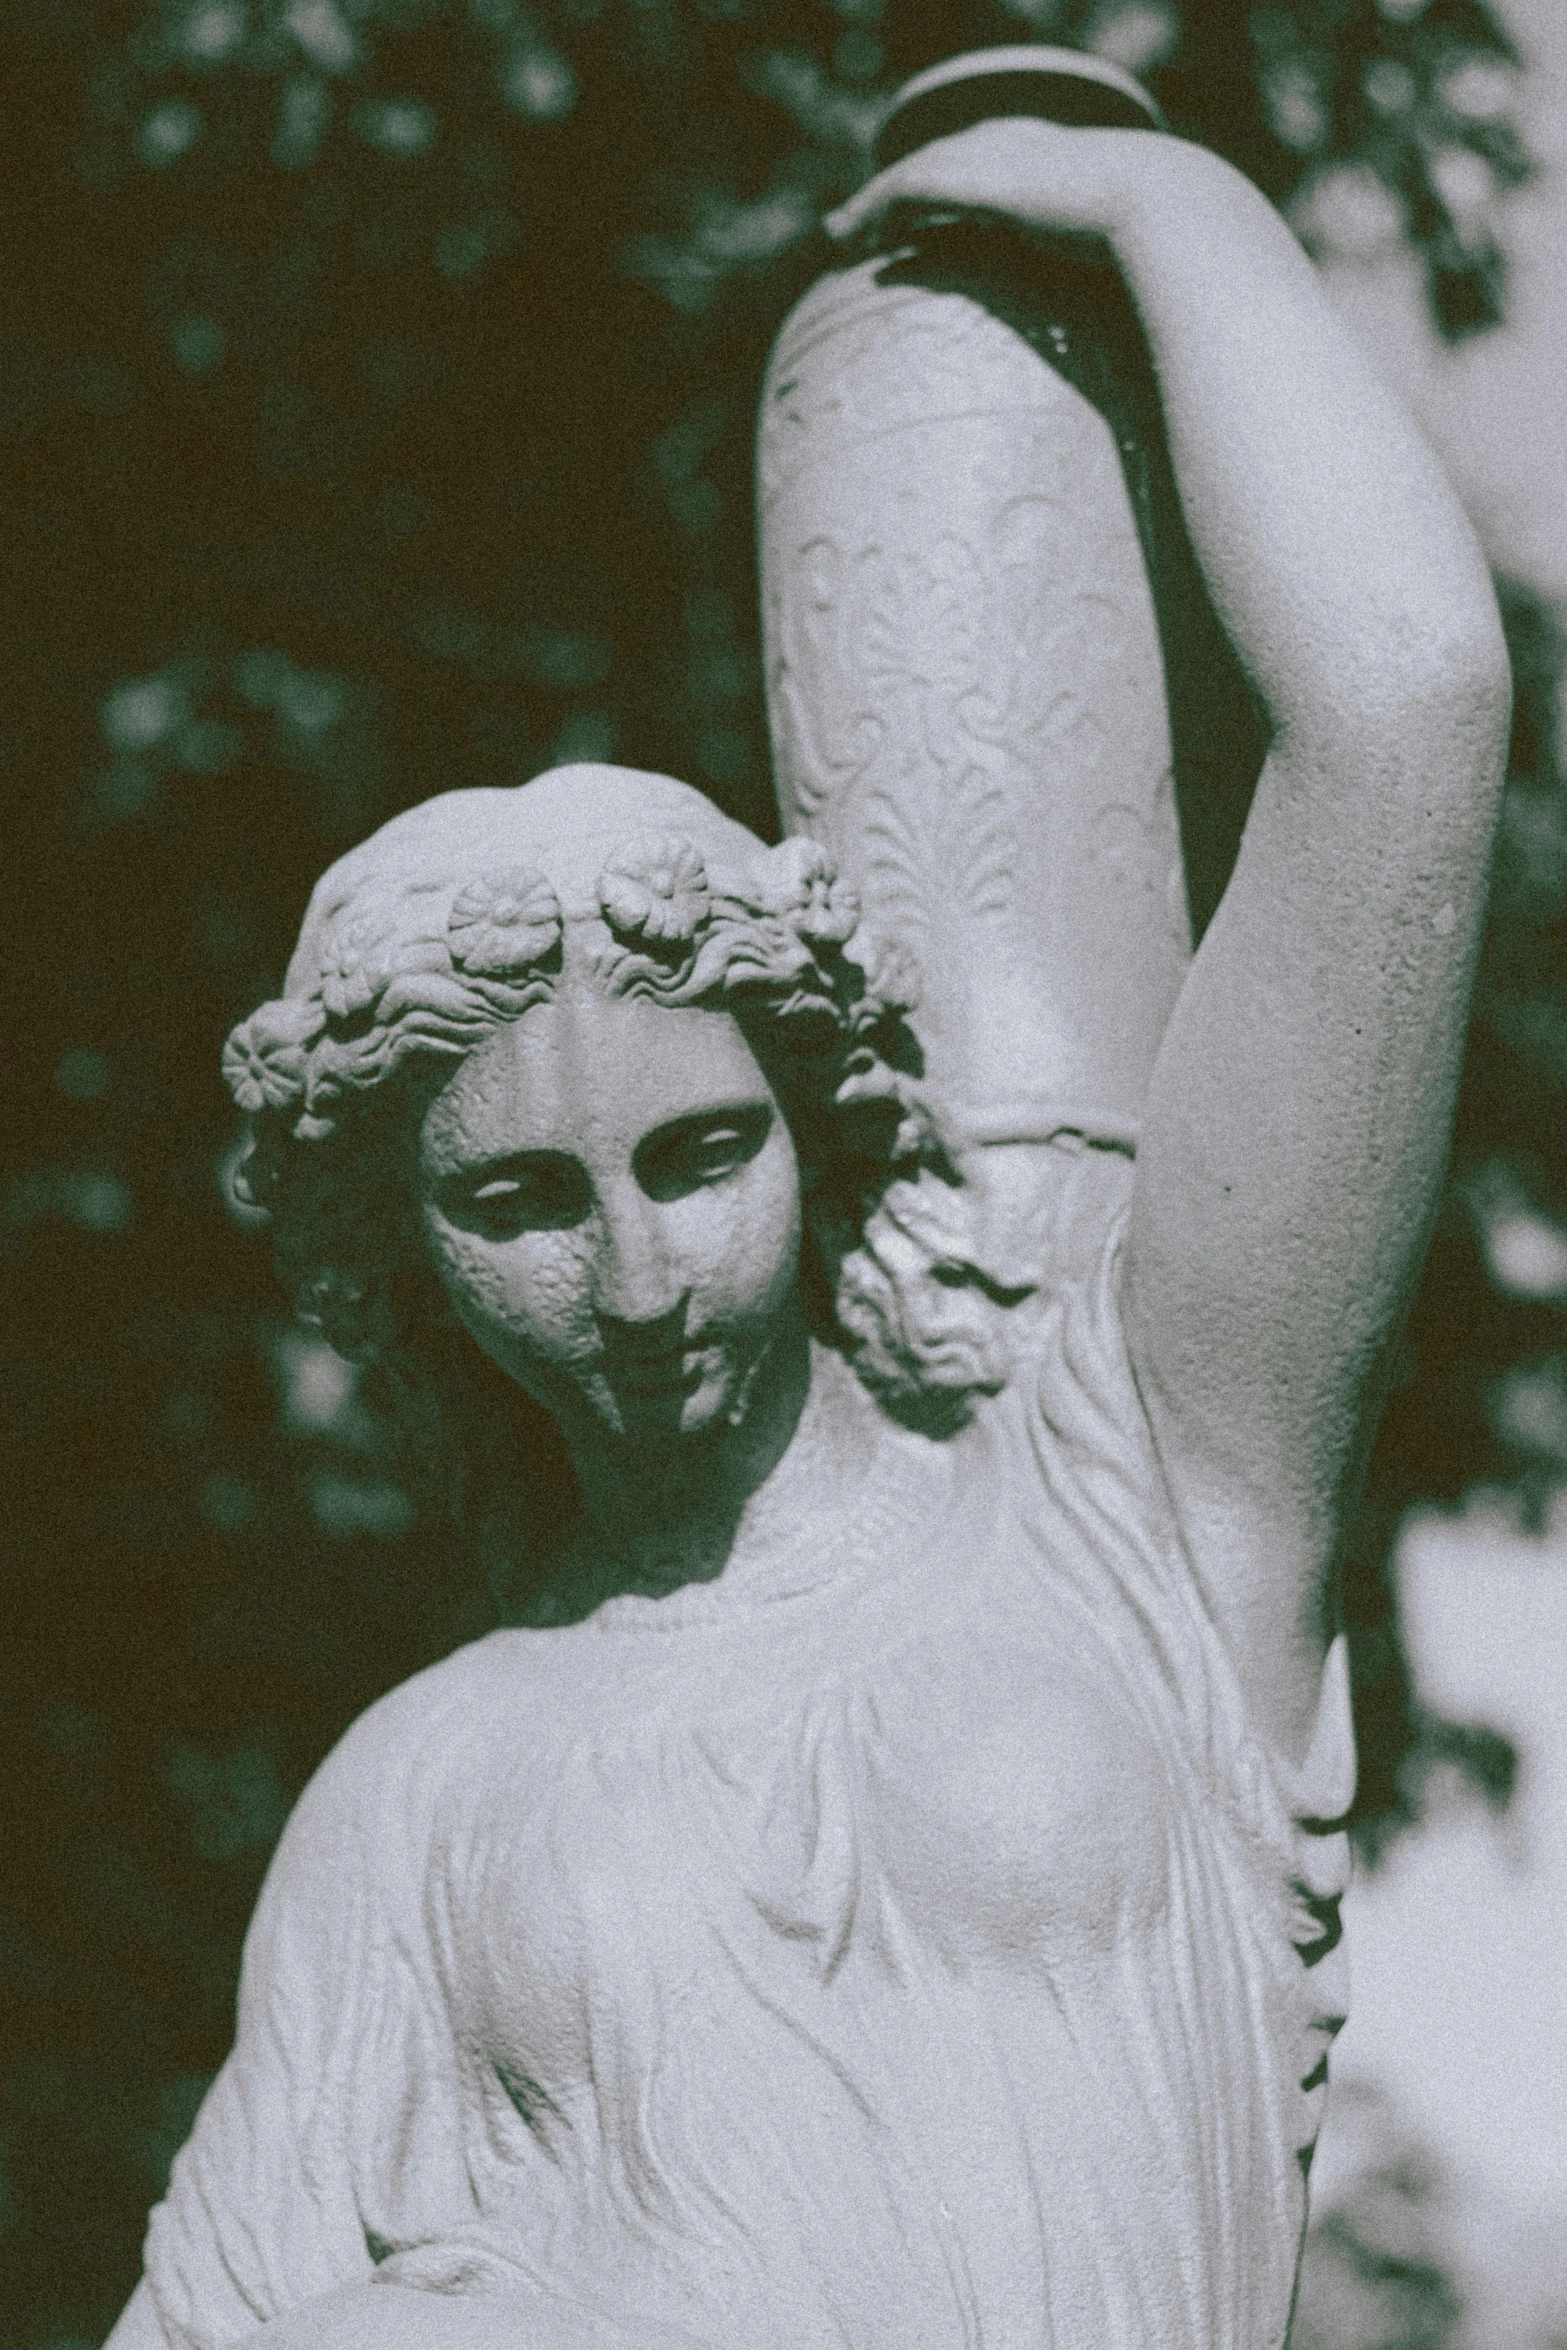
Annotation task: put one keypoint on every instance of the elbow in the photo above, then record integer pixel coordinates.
(1443, 638)
(1393, 673)
(1467, 668)
(1455, 650)
(1493, 682)
(1461, 702)
(1435, 701)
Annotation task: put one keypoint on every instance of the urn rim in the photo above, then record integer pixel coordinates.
(1022, 78)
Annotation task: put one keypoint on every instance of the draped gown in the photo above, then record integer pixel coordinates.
(904, 1942)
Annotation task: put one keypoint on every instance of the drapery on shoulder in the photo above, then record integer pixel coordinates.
(1096, 1450)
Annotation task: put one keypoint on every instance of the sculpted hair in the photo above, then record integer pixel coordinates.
(412, 973)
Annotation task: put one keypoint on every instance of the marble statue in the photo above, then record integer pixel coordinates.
(884, 1894)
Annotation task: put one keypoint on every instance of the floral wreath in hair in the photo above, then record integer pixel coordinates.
(434, 967)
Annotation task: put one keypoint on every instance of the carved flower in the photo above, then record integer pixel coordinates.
(500, 925)
(799, 883)
(357, 963)
(655, 889)
(265, 1058)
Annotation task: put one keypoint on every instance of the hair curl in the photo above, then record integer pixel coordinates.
(413, 976)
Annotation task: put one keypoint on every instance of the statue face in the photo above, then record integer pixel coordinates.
(609, 1193)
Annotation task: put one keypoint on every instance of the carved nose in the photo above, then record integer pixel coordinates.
(638, 1293)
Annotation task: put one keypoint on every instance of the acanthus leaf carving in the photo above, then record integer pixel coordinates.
(829, 738)
(896, 868)
(986, 843)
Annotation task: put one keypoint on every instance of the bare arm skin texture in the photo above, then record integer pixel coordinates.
(1299, 1117)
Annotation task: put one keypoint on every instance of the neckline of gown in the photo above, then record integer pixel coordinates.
(844, 1537)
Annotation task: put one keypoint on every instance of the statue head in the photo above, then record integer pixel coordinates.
(592, 984)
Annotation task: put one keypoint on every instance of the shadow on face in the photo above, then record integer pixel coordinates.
(609, 1194)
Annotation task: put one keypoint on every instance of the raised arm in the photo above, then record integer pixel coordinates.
(1299, 1116)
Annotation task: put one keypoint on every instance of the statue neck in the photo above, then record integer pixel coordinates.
(656, 1518)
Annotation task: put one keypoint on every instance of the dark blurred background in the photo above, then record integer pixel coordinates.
(376, 393)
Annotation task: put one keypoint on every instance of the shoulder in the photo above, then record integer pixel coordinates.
(435, 1711)
(362, 1829)
(343, 1916)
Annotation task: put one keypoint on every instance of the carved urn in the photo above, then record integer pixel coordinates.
(986, 648)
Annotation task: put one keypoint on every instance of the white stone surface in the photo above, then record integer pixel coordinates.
(967, 694)
(880, 1894)
(1458, 2022)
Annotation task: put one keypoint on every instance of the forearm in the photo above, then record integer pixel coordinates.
(1338, 558)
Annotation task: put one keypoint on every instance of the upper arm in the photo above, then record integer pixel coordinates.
(259, 2216)
(1296, 1133)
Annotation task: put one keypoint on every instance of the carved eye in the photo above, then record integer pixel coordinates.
(697, 1152)
(547, 1193)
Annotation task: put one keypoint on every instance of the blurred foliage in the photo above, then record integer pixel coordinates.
(1380, 2271)
(1407, 2252)
(376, 381)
